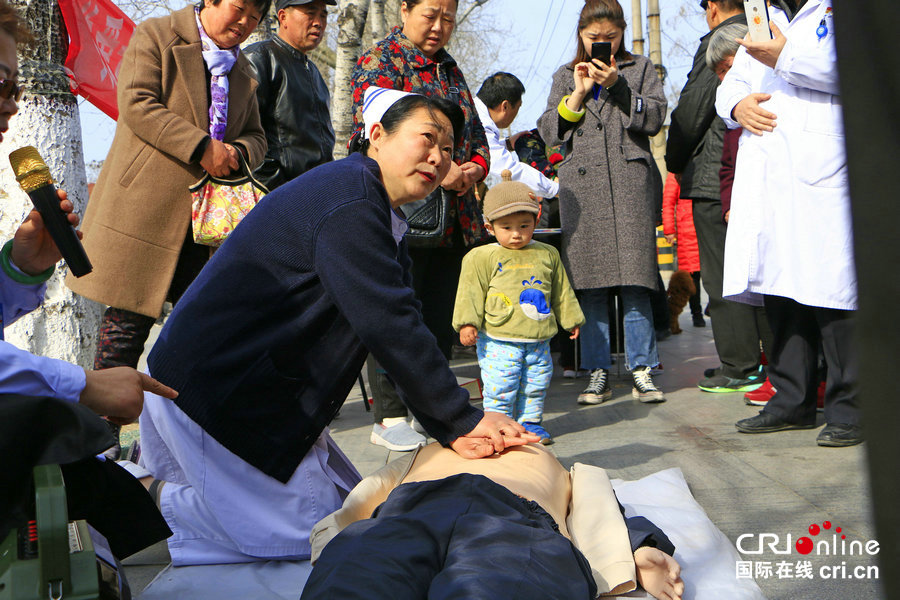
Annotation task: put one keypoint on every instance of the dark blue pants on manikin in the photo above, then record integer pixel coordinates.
(463, 537)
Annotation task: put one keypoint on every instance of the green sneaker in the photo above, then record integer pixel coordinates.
(718, 384)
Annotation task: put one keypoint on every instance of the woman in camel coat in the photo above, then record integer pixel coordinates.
(137, 225)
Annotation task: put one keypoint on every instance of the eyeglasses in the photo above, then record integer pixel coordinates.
(10, 88)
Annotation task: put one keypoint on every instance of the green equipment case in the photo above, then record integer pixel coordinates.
(50, 557)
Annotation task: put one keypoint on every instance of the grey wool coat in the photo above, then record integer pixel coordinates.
(610, 187)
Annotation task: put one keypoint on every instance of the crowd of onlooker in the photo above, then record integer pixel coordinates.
(398, 253)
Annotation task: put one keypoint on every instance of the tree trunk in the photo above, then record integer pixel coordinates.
(657, 142)
(391, 14)
(379, 25)
(65, 326)
(351, 26)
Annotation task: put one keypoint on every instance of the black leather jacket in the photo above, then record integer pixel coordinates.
(293, 106)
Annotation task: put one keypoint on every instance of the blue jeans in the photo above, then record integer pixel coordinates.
(516, 376)
(640, 337)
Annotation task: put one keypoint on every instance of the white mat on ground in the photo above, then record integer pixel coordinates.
(706, 556)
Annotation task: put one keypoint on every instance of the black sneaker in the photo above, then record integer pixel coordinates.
(598, 390)
(644, 389)
(699, 321)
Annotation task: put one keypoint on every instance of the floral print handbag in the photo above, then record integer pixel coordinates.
(218, 204)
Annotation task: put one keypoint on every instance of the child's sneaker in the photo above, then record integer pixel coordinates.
(539, 431)
(644, 388)
(598, 390)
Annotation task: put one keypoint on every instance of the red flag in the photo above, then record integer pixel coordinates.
(98, 34)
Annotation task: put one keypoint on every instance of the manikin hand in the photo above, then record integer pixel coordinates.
(658, 573)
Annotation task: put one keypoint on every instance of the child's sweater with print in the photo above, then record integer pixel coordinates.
(519, 295)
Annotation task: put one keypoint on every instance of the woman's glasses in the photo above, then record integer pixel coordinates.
(10, 88)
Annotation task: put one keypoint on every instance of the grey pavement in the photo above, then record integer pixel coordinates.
(777, 483)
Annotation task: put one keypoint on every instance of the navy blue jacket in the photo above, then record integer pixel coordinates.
(267, 342)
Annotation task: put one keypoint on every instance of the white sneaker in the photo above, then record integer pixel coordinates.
(399, 437)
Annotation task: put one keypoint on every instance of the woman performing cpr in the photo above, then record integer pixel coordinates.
(268, 341)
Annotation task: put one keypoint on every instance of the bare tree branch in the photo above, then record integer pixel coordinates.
(468, 11)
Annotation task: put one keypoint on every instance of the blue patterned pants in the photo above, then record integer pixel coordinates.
(516, 376)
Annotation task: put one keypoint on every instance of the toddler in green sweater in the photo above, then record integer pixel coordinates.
(512, 297)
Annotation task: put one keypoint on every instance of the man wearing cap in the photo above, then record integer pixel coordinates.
(293, 97)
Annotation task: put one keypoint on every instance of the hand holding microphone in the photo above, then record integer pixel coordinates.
(33, 251)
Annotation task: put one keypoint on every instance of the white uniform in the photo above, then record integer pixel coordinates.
(501, 159)
(789, 231)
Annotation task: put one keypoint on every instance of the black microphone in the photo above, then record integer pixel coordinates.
(33, 175)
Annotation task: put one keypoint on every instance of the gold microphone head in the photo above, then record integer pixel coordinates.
(30, 169)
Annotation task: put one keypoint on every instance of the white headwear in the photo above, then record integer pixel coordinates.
(376, 101)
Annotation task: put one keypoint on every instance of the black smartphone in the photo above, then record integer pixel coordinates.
(601, 51)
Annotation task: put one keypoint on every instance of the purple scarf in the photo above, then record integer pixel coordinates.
(219, 63)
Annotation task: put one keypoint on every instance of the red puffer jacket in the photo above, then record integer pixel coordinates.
(678, 218)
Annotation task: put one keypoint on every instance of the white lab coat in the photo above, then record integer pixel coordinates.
(501, 159)
(789, 231)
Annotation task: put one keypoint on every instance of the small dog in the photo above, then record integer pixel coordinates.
(681, 288)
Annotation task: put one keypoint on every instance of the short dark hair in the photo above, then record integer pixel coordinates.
(400, 110)
(261, 5)
(729, 5)
(499, 87)
(12, 23)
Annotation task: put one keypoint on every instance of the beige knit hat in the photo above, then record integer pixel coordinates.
(509, 197)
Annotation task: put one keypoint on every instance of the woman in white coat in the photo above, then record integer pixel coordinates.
(789, 237)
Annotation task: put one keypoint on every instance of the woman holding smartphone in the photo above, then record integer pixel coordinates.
(610, 192)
